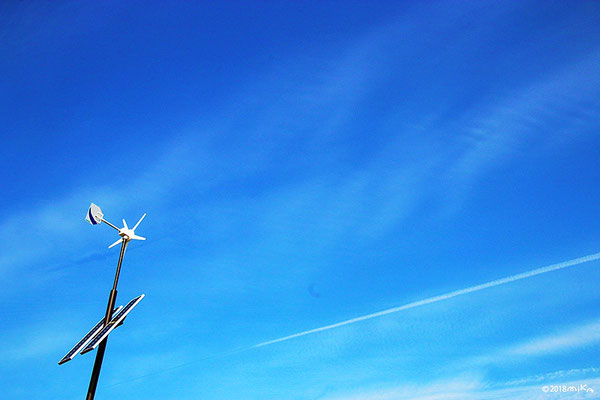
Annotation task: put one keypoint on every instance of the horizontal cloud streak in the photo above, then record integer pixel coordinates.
(472, 388)
(580, 335)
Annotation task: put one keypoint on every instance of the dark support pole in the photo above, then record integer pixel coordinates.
(96, 371)
(102, 346)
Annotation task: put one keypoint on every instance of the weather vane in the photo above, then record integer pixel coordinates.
(98, 335)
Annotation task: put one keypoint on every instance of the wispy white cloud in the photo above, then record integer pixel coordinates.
(38, 340)
(556, 377)
(575, 337)
(55, 228)
(563, 341)
(519, 121)
(457, 388)
(474, 388)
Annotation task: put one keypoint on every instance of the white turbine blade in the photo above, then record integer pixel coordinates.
(136, 237)
(125, 224)
(136, 225)
(115, 243)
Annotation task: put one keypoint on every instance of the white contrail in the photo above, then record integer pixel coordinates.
(446, 296)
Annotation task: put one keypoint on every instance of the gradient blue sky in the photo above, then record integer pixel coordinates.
(301, 164)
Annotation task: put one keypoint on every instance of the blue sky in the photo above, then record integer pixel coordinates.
(302, 164)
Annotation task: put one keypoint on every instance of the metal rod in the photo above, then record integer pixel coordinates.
(109, 224)
(109, 310)
(123, 247)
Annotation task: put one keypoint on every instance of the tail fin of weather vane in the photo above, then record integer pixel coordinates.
(94, 215)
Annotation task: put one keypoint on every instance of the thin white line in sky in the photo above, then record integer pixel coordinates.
(435, 299)
(430, 300)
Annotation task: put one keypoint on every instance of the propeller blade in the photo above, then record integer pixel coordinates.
(125, 224)
(136, 225)
(115, 243)
(136, 237)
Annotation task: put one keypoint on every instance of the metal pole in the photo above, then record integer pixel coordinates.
(111, 225)
(109, 310)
